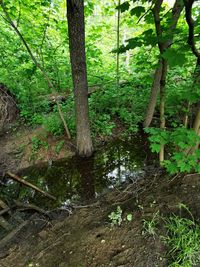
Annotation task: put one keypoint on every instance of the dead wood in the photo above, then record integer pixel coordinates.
(4, 211)
(12, 234)
(5, 224)
(25, 206)
(26, 183)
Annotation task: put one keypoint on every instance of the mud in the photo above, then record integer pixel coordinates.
(86, 238)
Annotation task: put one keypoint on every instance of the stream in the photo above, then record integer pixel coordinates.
(75, 179)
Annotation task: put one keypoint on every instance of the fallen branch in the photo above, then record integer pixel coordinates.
(12, 234)
(4, 211)
(24, 206)
(26, 183)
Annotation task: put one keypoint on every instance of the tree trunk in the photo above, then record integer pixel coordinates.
(76, 29)
(153, 97)
(118, 32)
(162, 107)
(163, 46)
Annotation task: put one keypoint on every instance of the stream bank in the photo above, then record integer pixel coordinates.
(84, 236)
(75, 230)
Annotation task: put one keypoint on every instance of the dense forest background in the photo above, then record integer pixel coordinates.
(143, 70)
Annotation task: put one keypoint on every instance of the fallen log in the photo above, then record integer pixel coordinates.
(26, 183)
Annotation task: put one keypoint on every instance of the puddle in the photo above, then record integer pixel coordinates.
(78, 179)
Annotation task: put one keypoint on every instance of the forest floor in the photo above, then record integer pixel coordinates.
(22, 147)
(83, 236)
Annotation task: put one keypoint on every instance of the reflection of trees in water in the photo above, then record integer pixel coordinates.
(86, 170)
(78, 177)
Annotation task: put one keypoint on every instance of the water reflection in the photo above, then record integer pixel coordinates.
(80, 179)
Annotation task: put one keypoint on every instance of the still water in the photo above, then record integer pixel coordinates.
(76, 179)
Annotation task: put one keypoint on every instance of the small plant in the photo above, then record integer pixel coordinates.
(116, 217)
(53, 124)
(183, 241)
(150, 226)
(59, 146)
(37, 143)
(180, 140)
(129, 217)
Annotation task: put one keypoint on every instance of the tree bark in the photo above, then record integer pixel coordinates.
(76, 30)
(153, 96)
(118, 32)
(162, 106)
(163, 46)
(191, 42)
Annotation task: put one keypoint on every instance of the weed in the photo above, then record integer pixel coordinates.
(150, 226)
(183, 240)
(116, 217)
(37, 143)
(59, 146)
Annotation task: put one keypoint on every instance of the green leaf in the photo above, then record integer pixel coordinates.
(123, 7)
(129, 217)
(155, 148)
(137, 11)
(174, 57)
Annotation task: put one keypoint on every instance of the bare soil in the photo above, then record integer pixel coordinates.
(85, 237)
(17, 151)
(82, 236)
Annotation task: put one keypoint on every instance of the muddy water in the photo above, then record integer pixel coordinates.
(78, 179)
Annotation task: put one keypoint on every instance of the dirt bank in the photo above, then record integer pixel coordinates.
(21, 147)
(85, 237)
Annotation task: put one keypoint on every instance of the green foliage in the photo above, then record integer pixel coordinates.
(53, 124)
(59, 146)
(37, 144)
(112, 105)
(180, 141)
(183, 241)
(150, 226)
(123, 7)
(137, 11)
(116, 217)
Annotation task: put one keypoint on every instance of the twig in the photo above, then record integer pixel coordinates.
(26, 183)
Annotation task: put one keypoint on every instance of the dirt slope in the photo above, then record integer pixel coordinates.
(86, 239)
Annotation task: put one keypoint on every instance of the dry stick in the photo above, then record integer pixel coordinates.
(12, 234)
(26, 183)
(8, 19)
(4, 211)
(25, 206)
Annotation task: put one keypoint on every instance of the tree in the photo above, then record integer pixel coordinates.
(191, 42)
(76, 31)
(8, 19)
(161, 71)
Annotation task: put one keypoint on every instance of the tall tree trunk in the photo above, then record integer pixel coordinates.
(76, 29)
(118, 32)
(162, 106)
(153, 96)
(163, 46)
(191, 42)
